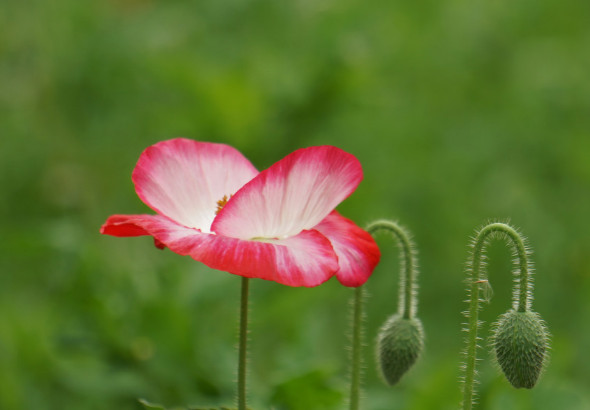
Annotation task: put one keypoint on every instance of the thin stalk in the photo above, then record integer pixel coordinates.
(407, 281)
(357, 344)
(243, 345)
(478, 277)
(407, 301)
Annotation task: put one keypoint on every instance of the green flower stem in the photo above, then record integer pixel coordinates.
(407, 281)
(477, 278)
(357, 343)
(407, 301)
(243, 344)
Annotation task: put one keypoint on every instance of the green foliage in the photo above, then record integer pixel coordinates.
(146, 404)
(312, 390)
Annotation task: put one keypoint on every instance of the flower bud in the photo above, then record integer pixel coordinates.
(520, 344)
(399, 343)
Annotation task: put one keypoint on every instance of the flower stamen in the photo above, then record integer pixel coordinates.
(221, 203)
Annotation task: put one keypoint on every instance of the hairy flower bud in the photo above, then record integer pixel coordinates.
(399, 343)
(520, 344)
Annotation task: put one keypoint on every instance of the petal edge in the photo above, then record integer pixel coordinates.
(183, 179)
(294, 194)
(307, 259)
(357, 252)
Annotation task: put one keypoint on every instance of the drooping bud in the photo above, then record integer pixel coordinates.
(520, 343)
(399, 344)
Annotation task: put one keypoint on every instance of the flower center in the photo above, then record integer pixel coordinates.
(221, 203)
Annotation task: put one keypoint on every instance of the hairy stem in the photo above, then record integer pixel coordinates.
(407, 300)
(477, 278)
(243, 345)
(357, 344)
(407, 281)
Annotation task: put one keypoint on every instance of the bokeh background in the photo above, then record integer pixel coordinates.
(460, 112)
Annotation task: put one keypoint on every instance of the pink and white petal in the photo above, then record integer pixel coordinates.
(124, 225)
(303, 260)
(307, 259)
(183, 179)
(129, 225)
(292, 195)
(357, 252)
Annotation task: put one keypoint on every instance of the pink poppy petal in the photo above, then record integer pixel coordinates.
(124, 225)
(303, 260)
(292, 195)
(357, 252)
(183, 179)
(307, 259)
(130, 225)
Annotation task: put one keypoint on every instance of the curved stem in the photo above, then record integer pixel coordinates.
(407, 281)
(357, 344)
(520, 248)
(243, 344)
(476, 279)
(407, 301)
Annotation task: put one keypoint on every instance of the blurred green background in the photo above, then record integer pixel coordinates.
(460, 111)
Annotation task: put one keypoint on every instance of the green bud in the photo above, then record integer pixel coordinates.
(520, 344)
(399, 343)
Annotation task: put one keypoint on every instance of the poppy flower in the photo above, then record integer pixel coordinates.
(278, 225)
